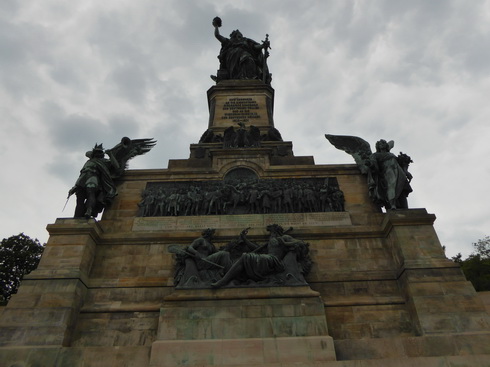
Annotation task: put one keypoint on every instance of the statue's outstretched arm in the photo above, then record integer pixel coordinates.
(216, 24)
(249, 243)
(218, 36)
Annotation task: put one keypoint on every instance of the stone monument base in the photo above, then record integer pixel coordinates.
(242, 352)
(242, 327)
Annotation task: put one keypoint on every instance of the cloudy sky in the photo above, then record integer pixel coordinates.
(73, 73)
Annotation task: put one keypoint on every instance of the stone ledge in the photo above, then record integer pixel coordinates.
(139, 356)
(426, 264)
(76, 226)
(163, 174)
(57, 274)
(181, 236)
(364, 301)
(406, 217)
(417, 346)
(240, 221)
(241, 293)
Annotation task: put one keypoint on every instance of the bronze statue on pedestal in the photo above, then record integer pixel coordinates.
(241, 57)
(95, 187)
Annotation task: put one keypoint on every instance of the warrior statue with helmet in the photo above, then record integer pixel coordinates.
(95, 187)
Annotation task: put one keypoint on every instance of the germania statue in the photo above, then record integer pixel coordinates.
(241, 57)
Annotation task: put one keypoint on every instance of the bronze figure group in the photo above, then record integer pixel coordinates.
(242, 196)
(281, 261)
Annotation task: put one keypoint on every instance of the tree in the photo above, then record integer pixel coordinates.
(19, 255)
(482, 247)
(476, 267)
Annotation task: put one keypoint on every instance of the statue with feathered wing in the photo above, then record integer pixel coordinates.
(95, 187)
(388, 176)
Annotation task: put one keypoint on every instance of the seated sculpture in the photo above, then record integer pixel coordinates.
(282, 261)
(200, 263)
(276, 266)
(241, 57)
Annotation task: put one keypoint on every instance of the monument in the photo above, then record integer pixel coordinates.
(245, 255)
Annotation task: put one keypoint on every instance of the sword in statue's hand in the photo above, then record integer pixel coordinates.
(267, 46)
(70, 193)
(66, 202)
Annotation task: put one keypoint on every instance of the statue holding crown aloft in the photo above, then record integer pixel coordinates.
(241, 57)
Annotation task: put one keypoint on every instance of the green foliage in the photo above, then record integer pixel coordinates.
(482, 247)
(19, 255)
(476, 267)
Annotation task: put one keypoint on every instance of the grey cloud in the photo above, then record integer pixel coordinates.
(197, 15)
(130, 82)
(65, 169)
(24, 48)
(67, 74)
(73, 135)
(79, 132)
(9, 8)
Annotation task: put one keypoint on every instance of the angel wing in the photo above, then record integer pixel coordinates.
(357, 147)
(128, 149)
(274, 135)
(207, 137)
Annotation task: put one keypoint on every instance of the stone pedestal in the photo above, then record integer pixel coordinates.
(46, 308)
(247, 101)
(242, 327)
(440, 300)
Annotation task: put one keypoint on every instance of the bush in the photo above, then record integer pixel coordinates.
(19, 255)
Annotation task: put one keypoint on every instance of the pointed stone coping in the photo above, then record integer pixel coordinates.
(241, 293)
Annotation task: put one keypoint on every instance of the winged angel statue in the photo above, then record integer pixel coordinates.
(95, 187)
(388, 176)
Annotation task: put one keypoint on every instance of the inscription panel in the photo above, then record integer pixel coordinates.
(242, 221)
(249, 109)
(240, 109)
